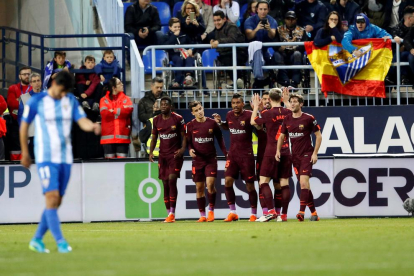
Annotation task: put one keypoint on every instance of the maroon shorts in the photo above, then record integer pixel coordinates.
(243, 165)
(269, 167)
(284, 169)
(169, 165)
(203, 168)
(302, 165)
(259, 162)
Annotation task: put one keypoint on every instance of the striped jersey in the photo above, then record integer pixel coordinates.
(53, 124)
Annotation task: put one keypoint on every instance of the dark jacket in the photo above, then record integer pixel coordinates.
(114, 69)
(145, 106)
(298, 34)
(409, 40)
(171, 39)
(400, 30)
(278, 9)
(323, 37)
(135, 19)
(388, 10)
(313, 14)
(192, 30)
(229, 33)
(349, 12)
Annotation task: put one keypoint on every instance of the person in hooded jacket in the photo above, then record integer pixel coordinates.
(116, 110)
(109, 62)
(362, 29)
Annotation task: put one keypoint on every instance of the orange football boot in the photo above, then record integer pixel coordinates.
(170, 218)
(210, 217)
(253, 218)
(202, 219)
(232, 217)
(300, 216)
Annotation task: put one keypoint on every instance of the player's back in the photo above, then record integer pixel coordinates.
(240, 132)
(273, 118)
(53, 125)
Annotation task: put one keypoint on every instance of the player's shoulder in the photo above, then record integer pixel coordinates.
(248, 112)
(309, 116)
(287, 111)
(36, 98)
(177, 115)
(230, 113)
(264, 111)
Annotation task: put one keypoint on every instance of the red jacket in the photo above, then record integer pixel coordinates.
(13, 95)
(116, 125)
(3, 107)
(81, 78)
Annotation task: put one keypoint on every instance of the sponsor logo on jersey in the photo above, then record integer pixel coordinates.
(295, 134)
(237, 131)
(203, 140)
(168, 136)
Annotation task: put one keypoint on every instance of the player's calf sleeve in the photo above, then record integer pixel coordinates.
(261, 199)
(173, 194)
(278, 200)
(201, 203)
(53, 224)
(268, 196)
(42, 227)
(304, 199)
(285, 199)
(230, 196)
(253, 201)
(211, 201)
(311, 204)
(166, 194)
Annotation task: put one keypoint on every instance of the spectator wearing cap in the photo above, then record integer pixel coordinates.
(362, 29)
(331, 31)
(143, 21)
(289, 55)
(347, 10)
(312, 15)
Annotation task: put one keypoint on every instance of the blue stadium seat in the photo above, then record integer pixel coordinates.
(164, 12)
(243, 9)
(208, 58)
(126, 5)
(177, 8)
(160, 55)
(164, 29)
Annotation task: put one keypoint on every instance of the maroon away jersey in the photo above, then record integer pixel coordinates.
(261, 143)
(240, 133)
(299, 131)
(200, 137)
(169, 132)
(273, 118)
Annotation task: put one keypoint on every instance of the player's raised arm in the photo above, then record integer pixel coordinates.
(285, 98)
(222, 124)
(318, 143)
(256, 103)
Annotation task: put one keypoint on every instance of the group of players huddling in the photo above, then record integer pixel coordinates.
(276, 126)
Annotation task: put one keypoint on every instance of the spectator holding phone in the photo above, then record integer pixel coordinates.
(230, 8)
(143, 21)
(261, 27)
(192, 23)
(331, 31)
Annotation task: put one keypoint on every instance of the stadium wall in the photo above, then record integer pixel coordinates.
(354, 130)
(117, 191)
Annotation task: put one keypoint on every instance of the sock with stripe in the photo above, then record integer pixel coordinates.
(311, 204)
(211, 201)
(253, 201)
(262, 202)
(42, 227)
(173, 194)
(304, 199)
(201, 203)
(53, 224)
(285, 199)
(278, 200)
(231, 198)
(166, 195)
(268, 196)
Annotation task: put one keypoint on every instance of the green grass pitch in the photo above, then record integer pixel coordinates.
(328, 247)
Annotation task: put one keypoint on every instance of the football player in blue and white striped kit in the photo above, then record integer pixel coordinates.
(53, 113)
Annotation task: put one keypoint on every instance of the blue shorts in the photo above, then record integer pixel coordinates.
(54, 177)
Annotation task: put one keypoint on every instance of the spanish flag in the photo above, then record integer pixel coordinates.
(342, 72)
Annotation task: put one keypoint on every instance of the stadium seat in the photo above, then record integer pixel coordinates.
(208, 58)
(160, 55)
(243, 9)
(126, 5)
(164, 29)
(177, 8)
(164, 12)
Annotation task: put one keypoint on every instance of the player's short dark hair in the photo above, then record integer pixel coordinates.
(262, 2)
(108, 52)
(275, 94)
(89, 58)
(173, 20)
(297, 96)
(236, 96)
(265, 93)
(166, 98)
(157, 79)
(408, 10)
(24, 68)
(59, 53)
(65, 79)
(219, 13)
(193, 104)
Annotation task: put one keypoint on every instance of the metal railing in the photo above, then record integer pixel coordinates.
(12, 35)
(234, 68)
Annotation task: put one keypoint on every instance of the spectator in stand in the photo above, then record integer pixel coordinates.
(227, 32)
(192, 23)
(331, 31)
(13, 95)
(207, 14)
(57, 64)
(110, 63)
(116, 110)
(347, 10)
(251, 9)
(230, 8)
(36, 87)
(180, 57)
(147, 106)
(143, 21)
(278, 9)
(289, 55)
(88, 87)
(375, 11)
(3, 128)
(312, 15)
(362, 29)
(394, 12)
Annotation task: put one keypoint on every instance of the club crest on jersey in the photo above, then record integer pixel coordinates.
(242, 123)
(173, 127)
(65, 106)
(210, 130)
(301, 126)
